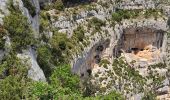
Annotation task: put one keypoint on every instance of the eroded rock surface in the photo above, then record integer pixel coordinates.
(34, 72)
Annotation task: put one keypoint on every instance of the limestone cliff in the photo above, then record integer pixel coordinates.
(35, 71)
(123, 40)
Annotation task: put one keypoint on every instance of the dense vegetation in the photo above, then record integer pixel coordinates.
(120, 14)
(19, 30)
(14, 82)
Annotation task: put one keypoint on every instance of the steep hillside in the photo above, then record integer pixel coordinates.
(84, 49)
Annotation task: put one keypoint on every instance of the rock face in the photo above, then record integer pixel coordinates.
(135, 37)
(85, 63)
(141, 37)
(128, 34)
(137, 4)
(34, 72)
(68, 22)
(3, 10)
(137, 33)
(127, 37)
(33, 20)
(168, 51)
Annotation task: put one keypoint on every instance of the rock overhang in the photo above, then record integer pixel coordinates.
(142, 40)
(150, 25)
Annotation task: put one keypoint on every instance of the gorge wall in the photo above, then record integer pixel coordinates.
(142, 37)
(35, 72)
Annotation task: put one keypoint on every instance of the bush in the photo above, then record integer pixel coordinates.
(44, 59)
(30, 7)
(14, 88)
(149, 96)
(104, 62)
(124, 14)
(168, 22)
(15, 83)
(113, 96)
(152, 12)
(116, 17)
(2, 34)
(58, 5)
(96, 23)
(42, 91)
(168, 34)
(60, 48)
(44, 21)
(66, 79)
(19, 31)
(79, 33)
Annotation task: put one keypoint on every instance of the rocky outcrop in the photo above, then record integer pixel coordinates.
(33, 20)
(3, 10)
(68, 21)
(107, 43)
(168, 51)
(80, 65)
(35, 72)
(136, 4)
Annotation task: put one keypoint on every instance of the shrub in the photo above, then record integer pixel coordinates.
(168, 22)
(15, 83)
(30, 7)
(79, 33)
(44, 59)
(58, 5)
(149, 96)
(14, 88)
(63, 75)
(2, 34)
(96, 23)
(104, 62)
(116, 17)
(124, 14)
(44, 21)
(152, 12)
(60, 47)
(19, 30)
(113, 96)
(42, 91)
(96, 75)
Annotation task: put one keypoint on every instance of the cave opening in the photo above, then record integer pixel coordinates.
(140, 43)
